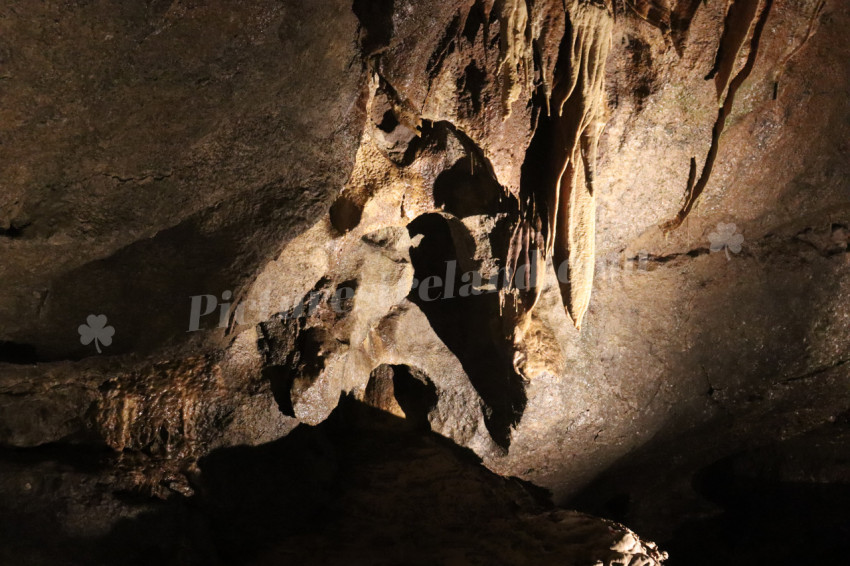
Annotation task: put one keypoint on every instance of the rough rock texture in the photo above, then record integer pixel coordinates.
(153, 151)
(316, 165)
(361, 488)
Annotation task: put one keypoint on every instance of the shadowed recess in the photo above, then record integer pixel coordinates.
(376, 21)
(345, 214)
(469, 326)
(465, 190)
(402, 389)
(382, 491)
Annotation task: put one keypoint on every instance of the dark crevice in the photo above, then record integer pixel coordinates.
(816, 372)
(376, 22)
(389, 122)
(662, 259)
(470, 87)
(416, 394)
(303, 366)
(445, 48)
(735, 29)
(674, 22)
(280, 380)
(294, 352)
(680, 22)
(656, 14)
(142, 179)
(537, 100)
(834, 241)
(812, 28)
(14, 230)
(343, 300)
(401, 106)
(15, 353)
(474, 21)
(345, 214)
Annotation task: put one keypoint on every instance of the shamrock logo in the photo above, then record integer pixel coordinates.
(726, 239)
(96, 330)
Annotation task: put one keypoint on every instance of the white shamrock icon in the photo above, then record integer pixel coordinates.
(96, 330)
(726, 239)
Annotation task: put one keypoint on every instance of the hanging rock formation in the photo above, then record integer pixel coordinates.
(361, 257)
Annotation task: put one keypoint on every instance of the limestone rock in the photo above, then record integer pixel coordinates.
(412, 206)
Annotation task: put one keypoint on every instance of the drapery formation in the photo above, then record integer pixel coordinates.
(558, 210)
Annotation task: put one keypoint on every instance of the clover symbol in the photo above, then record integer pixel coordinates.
(726, 239)
(96, 330)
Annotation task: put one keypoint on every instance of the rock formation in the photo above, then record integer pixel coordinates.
(597, 247)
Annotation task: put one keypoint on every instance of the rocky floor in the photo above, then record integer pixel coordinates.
(363, 487)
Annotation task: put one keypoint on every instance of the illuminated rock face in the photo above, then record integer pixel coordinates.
(416, 205)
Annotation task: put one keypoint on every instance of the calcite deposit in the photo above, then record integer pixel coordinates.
(401, 281)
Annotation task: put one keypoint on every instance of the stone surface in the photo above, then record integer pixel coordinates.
(363, 487)
(323, 161)
(157, 151)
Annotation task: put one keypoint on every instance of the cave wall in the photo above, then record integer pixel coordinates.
(686, 160)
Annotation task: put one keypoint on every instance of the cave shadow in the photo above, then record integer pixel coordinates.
(376, 22)
(416, 395)
(465, 190)
(145, 287)
(739, 509)
(469, 326)
(407, 387)
(764, 521)
(681, 488)
(364, 485)
(42, 487)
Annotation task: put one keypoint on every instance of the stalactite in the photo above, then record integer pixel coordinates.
(739, 21)
(724, 65)
(559, 209)
(516, 60)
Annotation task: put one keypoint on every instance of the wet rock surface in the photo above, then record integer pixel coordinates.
(414, 206)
